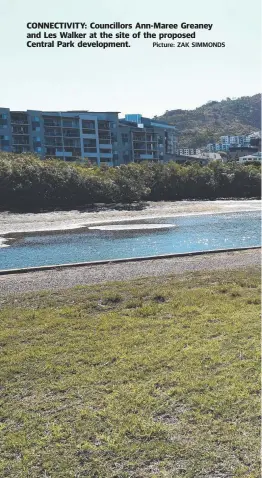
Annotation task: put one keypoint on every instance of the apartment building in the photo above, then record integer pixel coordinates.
(241, 140)
(215, 147)
(188, 151)
(227, 142)
(255, 157)
(99, 137)
(146, 139)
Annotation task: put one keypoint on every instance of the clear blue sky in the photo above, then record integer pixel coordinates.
(140, 79)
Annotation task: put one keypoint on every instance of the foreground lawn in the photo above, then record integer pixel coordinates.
(147, 378)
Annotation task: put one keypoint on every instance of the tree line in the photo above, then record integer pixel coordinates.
(28, 183)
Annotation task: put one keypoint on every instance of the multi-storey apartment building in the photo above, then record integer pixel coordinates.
(146, 139)
(188, 151)
(234, 140)
(215, 147)
(100, 137)
(227, 142)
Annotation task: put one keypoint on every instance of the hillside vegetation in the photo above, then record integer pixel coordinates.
(216, 118)
(29, 183)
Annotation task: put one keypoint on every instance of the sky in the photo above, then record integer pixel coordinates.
(140, 79)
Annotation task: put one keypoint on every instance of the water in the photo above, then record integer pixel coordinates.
(193, 233)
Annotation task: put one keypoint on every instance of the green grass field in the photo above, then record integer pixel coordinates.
(148, 378)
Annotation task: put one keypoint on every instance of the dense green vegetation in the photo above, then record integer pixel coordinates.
(149, 378)
(216, 118)
(28, 183)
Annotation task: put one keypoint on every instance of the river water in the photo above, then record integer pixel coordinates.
(189, 233)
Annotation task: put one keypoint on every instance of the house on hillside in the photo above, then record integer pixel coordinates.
(250, 158)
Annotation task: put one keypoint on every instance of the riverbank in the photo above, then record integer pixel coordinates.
(87, 275)
(149, 377)
(68, 220)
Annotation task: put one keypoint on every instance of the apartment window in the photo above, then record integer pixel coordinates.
(70, 123)
(74, 151)
(35, 126)
(53, 131)
(105, 125)
(53, 141)
(20, 129)
(126, 158)
(4, 143)
(37, 143)
(72, 142)
(17, 118)
(125, 138)
(88, 127)
(3, 123)
(89, 143)
(71, 133)
(106, 151)
(21, 149)
(104, 139)
(52, 122)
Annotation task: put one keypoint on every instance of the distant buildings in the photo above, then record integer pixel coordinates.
(227, 142)
(99, 137)
(255, 157)
(187, 151)
(104, 138)
(201, 158)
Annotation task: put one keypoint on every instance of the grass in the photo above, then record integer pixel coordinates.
(147, 378)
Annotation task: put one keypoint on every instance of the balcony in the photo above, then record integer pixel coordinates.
(151, 139)
(53, 144)
(90, 155)
(89, 131)
(21, 141)
(70, 124)
(23, 121)
(63, 153)
(90, 150)
(73, 151)
(104, 136)
(72, 143)
(21, 149)
(86, 124)
(71, 135)
(103, 125)
(52, 123)
(106, 155)
(53, 134)
(20, 130)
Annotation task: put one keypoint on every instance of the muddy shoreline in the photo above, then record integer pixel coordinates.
(74, 219)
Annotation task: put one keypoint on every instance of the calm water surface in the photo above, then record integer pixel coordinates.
(193, 233)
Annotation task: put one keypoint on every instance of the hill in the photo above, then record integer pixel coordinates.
(216, 118)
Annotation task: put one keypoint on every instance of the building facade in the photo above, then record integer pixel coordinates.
(255, 157)
(99, 137)
(228, 142)
(146, 139)
(188, 151)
